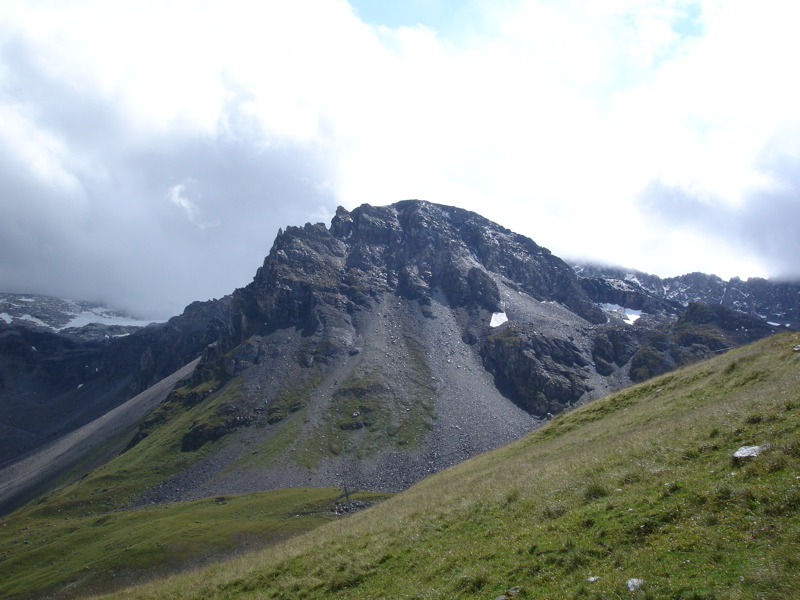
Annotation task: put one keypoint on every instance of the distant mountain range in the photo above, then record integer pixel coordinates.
(777, 302)
(391, 344)
(85, 320)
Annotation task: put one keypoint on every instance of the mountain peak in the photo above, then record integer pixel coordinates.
(412, 248)
(393, 343)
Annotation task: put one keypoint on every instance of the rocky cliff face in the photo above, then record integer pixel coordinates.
(317, 280)
(701, 330)
(314, 275)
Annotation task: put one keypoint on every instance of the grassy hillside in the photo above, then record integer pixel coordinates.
(50, 547)
(90, 535)
(639, 485)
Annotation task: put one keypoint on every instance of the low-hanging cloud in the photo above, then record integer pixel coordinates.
(98, 207)
(763, 224)
(177, 195)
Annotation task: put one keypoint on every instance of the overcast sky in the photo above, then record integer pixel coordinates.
(149, 151)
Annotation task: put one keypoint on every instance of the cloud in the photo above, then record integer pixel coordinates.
(150, 151)
(98, 205)
(177, 195)
(762, 226)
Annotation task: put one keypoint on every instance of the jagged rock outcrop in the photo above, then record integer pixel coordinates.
(628, 294)
(410, 248)
(614, 347)
(542, 374)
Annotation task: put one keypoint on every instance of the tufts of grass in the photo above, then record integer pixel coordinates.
(120, 482)
(358, 402)
(367, 414)
(293, 396)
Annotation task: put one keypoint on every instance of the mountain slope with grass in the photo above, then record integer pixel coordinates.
(636, 495)
(396, 342)
(368, 355)
(55, 379)
(399, 341)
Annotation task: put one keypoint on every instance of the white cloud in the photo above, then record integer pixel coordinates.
(177, 195)
(552, 117)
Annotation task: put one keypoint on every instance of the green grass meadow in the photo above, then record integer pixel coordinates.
(640, 484)
(43, 551)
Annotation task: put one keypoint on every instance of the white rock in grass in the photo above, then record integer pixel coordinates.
(748, 451)
(634, 584)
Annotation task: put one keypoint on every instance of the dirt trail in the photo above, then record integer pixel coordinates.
(25, 476)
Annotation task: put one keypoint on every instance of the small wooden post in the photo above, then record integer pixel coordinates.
(347, 497)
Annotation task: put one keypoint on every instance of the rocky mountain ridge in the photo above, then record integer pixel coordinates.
(396, 342)
(774, 301)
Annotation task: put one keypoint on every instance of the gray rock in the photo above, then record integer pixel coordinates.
(746, 452)
(635, 584)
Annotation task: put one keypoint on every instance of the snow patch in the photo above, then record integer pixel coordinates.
(32, 319)
(632, 314)
(102, 316)
(628, 315)
(498, 319)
